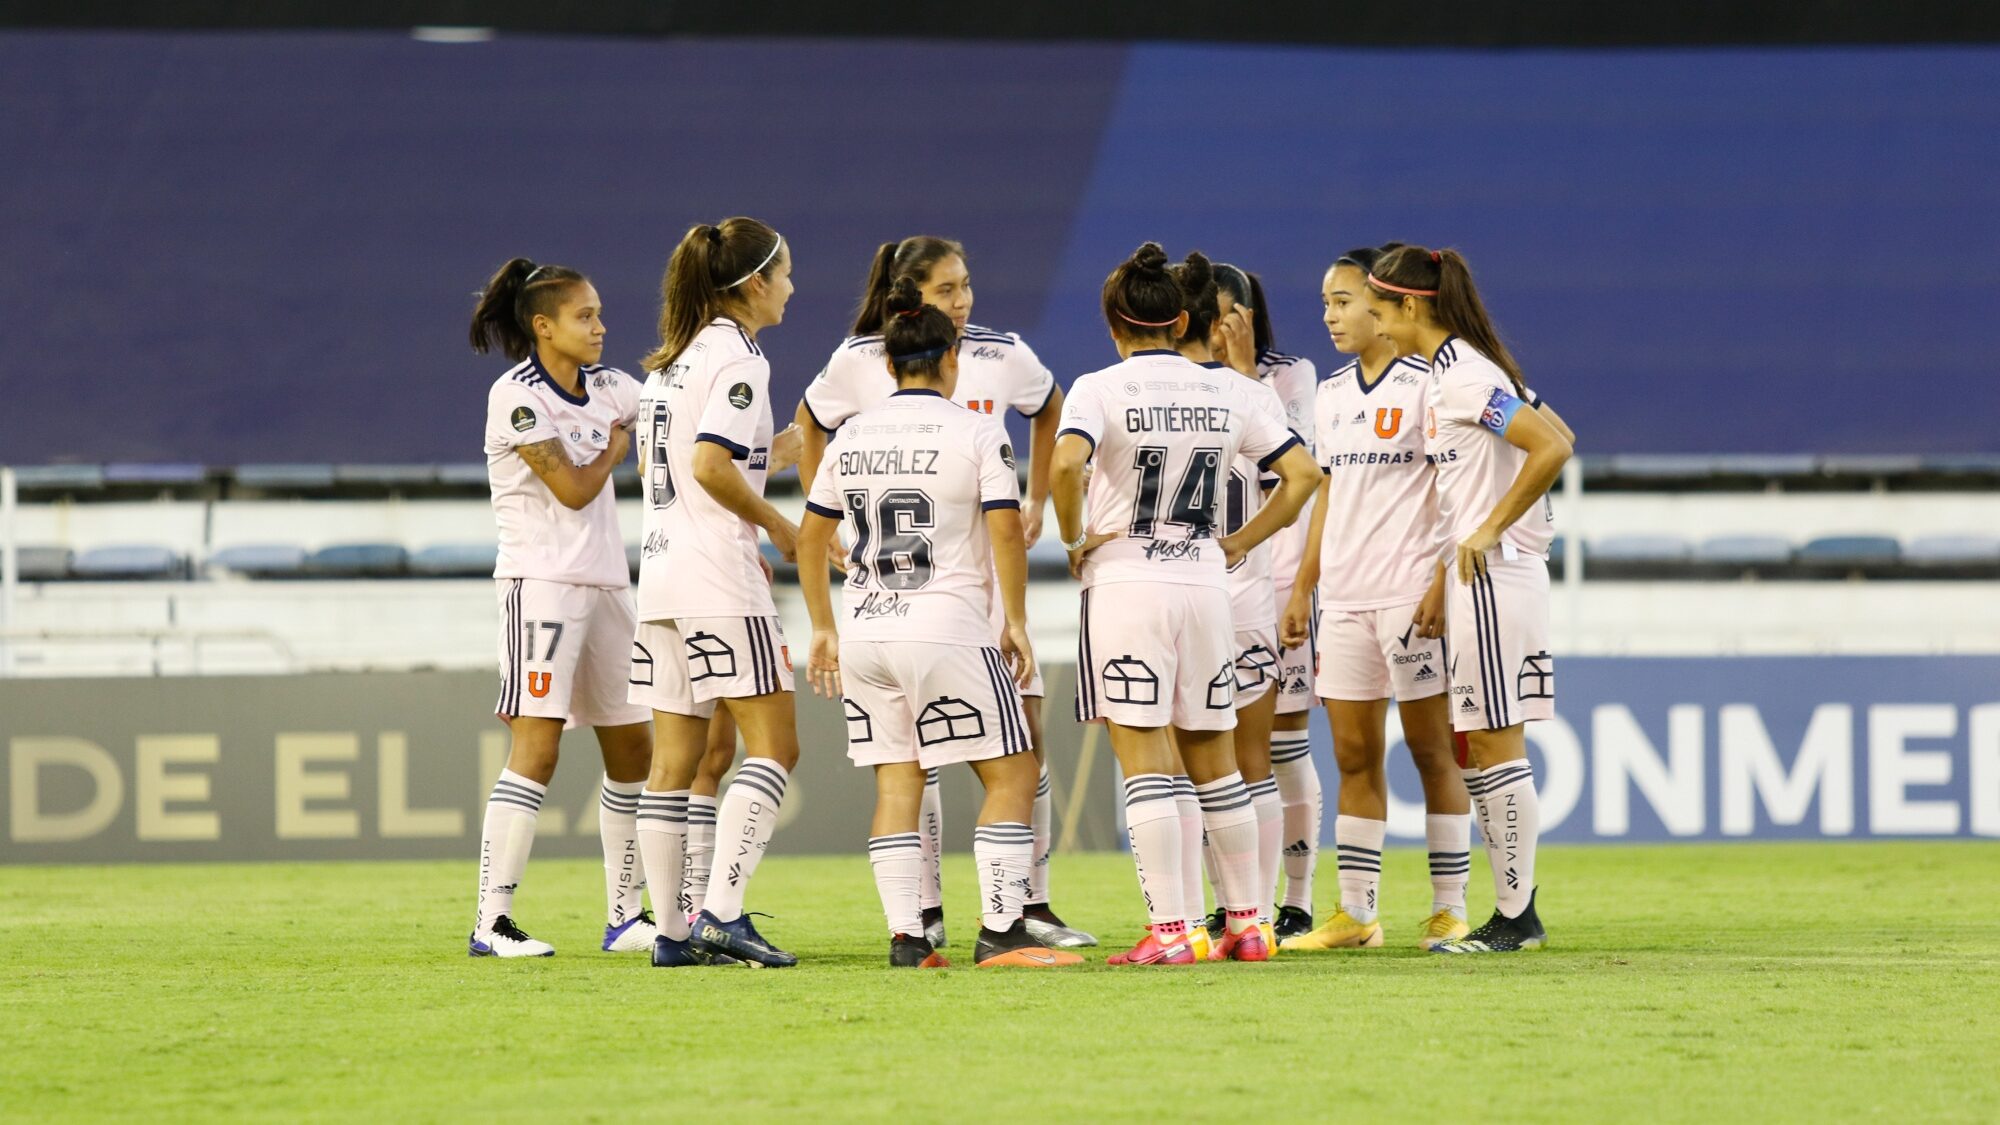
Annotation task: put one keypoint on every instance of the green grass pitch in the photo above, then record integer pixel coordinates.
(1742, 982)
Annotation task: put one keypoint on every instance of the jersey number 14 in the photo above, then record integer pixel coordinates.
(1192, 502)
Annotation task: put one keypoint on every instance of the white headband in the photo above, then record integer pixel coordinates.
(760, 265)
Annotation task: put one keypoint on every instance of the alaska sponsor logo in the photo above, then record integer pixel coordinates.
(523, 419)
(1405, 379)
(1173, 550)
(987, 351)
(741, 396)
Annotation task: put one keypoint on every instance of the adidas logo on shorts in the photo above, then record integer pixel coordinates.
(1467, 705)
(1426, 675)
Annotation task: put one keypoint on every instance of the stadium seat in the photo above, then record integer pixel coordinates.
(358, 560)
(1953, 556)
(386, 476)
(282, 476)
(464, 475)
(262, 560)
(129, 561)
(41, 562)
(1636, 556)
(60, 478)
(1736, 556)
(1849, 555)
(164, 475)
(456, 560)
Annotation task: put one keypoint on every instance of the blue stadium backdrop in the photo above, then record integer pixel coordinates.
(261, 247)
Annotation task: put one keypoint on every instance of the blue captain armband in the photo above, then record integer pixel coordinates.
(1499, 410)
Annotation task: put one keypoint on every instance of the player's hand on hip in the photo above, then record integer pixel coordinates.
(1090, 543)
(1472, 553)
(1019, 653)
(1232, 551)
(823, 665)
(786, 446)
(764, 565)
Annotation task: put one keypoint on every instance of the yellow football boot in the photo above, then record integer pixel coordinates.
(1338, 932)
(1442, 927)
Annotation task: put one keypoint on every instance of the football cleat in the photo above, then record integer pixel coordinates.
(1501, 934)
(506, 939)
(1198, 941)
(1441, 927)
(1216, 925)
(737, 938)
(1017, 947)
(906, 952)
(631, 935)
(675, 953)
(1292, 922)
(1251, 943)
(933, 918)
(1338, 932)
(1049, 930)
(1151, 951)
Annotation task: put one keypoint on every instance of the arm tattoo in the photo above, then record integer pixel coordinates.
(543, 456)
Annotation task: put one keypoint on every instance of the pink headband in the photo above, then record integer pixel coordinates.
(1147, 323)
(1380, 284)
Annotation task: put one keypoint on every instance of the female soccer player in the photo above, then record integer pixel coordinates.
(1215, 322)
(557, 423)
(1372, 552)
(709, 632)
(997, 371)
(931, 490)
(1495, 463)
(1156, 646)
(1295, 777)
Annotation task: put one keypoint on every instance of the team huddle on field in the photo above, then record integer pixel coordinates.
(1249, 541)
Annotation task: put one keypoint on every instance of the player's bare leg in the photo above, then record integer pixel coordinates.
(1447, 816)
(1502, 785)
(508, 835)
(627, 751)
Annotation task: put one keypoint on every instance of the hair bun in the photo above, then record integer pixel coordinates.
(714, 234)
(905, 299)
(1199, 271)
(1150, 258)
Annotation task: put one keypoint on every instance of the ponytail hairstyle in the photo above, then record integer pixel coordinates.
(1260, 317)
(702, 278)
(911, 258)
(1195, 276)
(508, 306)
(916, 336)
(1443, 278)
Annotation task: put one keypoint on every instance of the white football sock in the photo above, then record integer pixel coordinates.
(1270, 840)
(1510, 818)
(663, 835)
(624, 875)
(1299, 792)
(1360, 843)
(743, 827)
(930, 825)
(1448, 837)
(1004, 852)
(505, 839)
(899, 863)
(1044, 828)
(700, 853)
(1153, 821)
(1192, 843)
(1231, 822)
